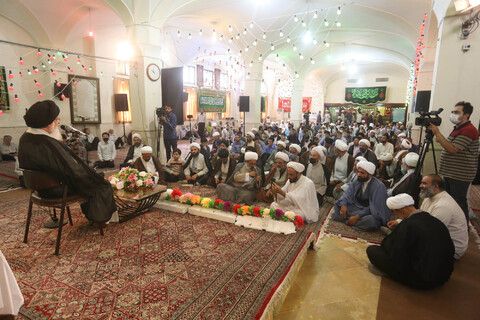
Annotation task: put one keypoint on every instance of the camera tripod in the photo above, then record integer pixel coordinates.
(427, 142)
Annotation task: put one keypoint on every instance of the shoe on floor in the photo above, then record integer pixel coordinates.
(376, 271)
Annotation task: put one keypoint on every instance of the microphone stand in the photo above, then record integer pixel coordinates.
(86, 137)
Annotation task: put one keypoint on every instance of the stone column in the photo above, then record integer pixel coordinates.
(297, 102)
(252, 89)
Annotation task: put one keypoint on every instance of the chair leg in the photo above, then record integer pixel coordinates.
(60, 227)
(69, 216)
(29, 218)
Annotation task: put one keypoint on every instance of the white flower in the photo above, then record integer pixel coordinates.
(139, 183)
(142, 174)
(120, 185)
(290, 215)
(169, 192)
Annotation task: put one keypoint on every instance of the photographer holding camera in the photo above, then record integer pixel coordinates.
(458, 161)
(169, 122)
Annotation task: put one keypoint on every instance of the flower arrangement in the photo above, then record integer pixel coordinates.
(131, 179)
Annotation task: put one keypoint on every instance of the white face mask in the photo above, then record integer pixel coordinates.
(454, 118)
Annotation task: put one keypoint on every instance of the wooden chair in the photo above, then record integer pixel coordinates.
(42, 181)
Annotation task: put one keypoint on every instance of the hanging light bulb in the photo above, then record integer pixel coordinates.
(10, 87)
(277, 57)
(245, 31)
(178, 34)
(39, 53)
(294, 47)
(304, 24)
(29, 72)
(53, 72)
(312, 61)
(230, 28)
(326, 44)
(315, 41)
(260, 57)
(264, 36)
(338, 24)
(221, 37)
(20, 61)
(339, 11)
(237, 36)
(246, 49)
(288, 39)
(36, 83)
(300, 56)
(78, 59)
(307, 38)
(50, 57)
(230, 40)
(295, 18)
(189, 36)
(43, 65)
(21, 75)
(251, 25)
(35, 70)
(315, 15)
(200, 32)
(255, 42)
(248, 75)
(251, 63)
(325, 22)
(296, 74)
(16, 99)
(272, 47)
(10, 75)
(40, 94)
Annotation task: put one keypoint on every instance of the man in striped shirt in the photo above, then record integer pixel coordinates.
(458, 161)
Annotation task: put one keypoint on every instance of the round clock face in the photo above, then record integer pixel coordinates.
(153, 72)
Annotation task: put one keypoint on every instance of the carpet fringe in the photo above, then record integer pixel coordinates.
(322, 233)
(282, 290)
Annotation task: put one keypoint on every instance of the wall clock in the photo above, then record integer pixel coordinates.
(153, 72)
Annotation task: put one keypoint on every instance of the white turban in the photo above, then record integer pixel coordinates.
(400, 201)
(411, 159)
(215, 134)
(249, 133)
(406, 144)
(297, 166)
(332, 124)
(254, 130)
(360, 158)
(340, 145)
(146, 149)
(367, 166)
(251, 156)
(214, 124)
(282, 156)
(323, 149)
(281, 143)
(371, 125)
(386, 157)
(194, 145)
(296, 147)
(137, 135)
(319, 150)
(366, 142)
(402, 135)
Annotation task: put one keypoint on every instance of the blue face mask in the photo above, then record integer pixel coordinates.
(292, 156)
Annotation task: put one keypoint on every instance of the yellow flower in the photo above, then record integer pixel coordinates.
(195, 199)
(205, 202)
(245, 210)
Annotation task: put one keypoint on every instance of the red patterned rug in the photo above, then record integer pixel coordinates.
(337, 228)
(160, 265)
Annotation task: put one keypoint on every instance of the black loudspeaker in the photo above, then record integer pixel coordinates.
(121, 102)
(244, 103)
(172, 91)
(422, 103)
(185, 96)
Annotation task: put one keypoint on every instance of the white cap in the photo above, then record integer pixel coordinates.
(411, 159)
(400, 201)
(402, 135)
(367, 166)
(137, 135)
(296, 147)
(319, 151)
(194, 145)
(406, 144)
(282, 156)
(297, 166)
(146, 149)
(340, 145)
(366, 142)
(281, 143)
(360, 158)
(215, 134)
(385, 157)
(251, 134)
(251, 156)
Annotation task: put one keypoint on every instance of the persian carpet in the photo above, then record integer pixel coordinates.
(337, 228)
(160, 265)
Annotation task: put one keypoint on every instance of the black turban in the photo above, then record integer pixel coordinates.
(41, 114)
(223, 153)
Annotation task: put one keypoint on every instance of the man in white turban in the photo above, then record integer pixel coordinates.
(337, 193)
(272, 158)
(363, 205)
(252, 143)
(297, 195)
(277, 174)
(342, 167)
(196, 170)
(295, 152)
(149, 163)
(406, 184)
(318, 173)
(418, 253)
(134, 151)
(365, 152)
(244, 183)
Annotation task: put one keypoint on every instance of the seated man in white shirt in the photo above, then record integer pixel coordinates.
(317, 172)
(343, 165)
(106, 152)
(149, 163)
(384, 146)
(297, 195)
(196, 170)
(442, 206)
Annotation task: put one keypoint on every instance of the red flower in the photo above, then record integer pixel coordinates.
(298, 221)
(256, 212)
(235, 208)
(176, 193)
(218, 201)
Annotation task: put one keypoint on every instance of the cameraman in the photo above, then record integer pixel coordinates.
(458, 161)
(169, 122)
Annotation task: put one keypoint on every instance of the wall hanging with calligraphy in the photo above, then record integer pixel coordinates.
(365, 95)
(212, 101)
(4, 100)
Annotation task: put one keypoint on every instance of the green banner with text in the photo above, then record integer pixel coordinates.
(212, 101)
(365, 95)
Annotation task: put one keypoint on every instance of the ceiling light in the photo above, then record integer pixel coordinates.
(272, 47)
(307, 38)
(315, 41)
(260, 57)
(251, 25)
(288, 39)
(281, 33)
(237, 36)
(326, 44)
(230, 28)
(315, 15)
(339, 11)
(325, 22)
(338, 24)
(200, 32)
(304, 24)
(294, 47)
(295, 18)
(246, 49)
(312, 61)
(264, 36)
(245, 31)
(255, 42)
(300, 56)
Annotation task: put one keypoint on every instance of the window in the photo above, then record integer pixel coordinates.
(189, 75)
(208, 78)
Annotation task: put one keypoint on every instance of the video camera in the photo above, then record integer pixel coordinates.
(425, 118)
(160, 112)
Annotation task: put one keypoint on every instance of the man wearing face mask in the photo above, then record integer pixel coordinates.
(458, 161)
(405, 184)
(40, 149)
(106, 152)
(318, 173)
(365, 152)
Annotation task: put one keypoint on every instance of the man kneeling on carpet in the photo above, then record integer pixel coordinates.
(419, 252)
(363, 205)
(149, 163)
(298, 194)
(196, 170)
(244, 183)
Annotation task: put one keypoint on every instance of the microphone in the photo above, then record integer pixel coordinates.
(72, 130)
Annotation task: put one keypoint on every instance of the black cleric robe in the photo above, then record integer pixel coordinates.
(41, 152)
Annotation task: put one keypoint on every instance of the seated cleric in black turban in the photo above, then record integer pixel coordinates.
(40, 150)
(41, 114)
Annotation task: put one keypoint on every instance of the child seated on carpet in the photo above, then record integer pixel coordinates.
(174, 167)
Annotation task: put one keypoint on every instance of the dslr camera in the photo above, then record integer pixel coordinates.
(427, 118)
